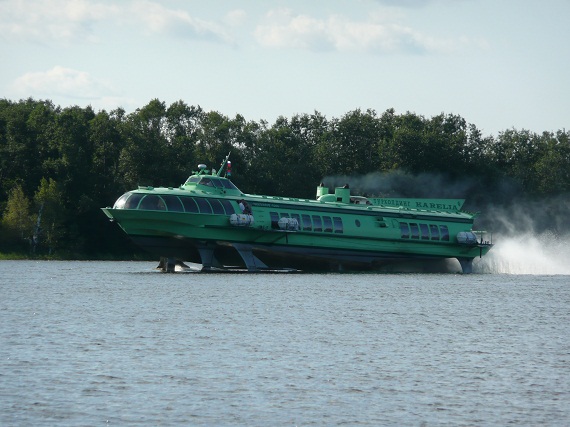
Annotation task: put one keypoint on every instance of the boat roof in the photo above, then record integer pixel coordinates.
(211, 184)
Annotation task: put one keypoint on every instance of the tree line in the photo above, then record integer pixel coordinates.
(58, 166)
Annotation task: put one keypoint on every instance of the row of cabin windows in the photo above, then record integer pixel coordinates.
(306, 222)
(424, 231)
(174, 204)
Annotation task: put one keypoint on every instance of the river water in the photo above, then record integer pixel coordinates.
(118, 343)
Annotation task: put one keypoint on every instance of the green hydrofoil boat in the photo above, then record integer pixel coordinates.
(209, 221)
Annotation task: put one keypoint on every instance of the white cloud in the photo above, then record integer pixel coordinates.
(235, 18)
(61, 81)
(51, 19)
(161, 20)
(373, 36)
(284, 29)
(405, 3)
(70, 20)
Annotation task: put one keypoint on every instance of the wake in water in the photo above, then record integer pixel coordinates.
(522, 227)
(544, 253)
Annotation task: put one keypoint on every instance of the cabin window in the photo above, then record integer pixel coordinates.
(338, 228)
(217, 207)
(192, 179)
(190, 205)
(173, 203)
(228, 184)
(357, 222)
(444, 233)
(227, 206)
(434, 232)
(284, 215)
(307, 224)
(217, 183)
(405, 230)
(415, 231)
(152, 203)
(204, 206)
(424, 231)
(274, 220)
(328, 225)
(133, 201)
(297, 217)
(207, 182)
(120, 203)
(317, 223)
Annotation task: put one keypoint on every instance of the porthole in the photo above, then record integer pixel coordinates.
(357, 222)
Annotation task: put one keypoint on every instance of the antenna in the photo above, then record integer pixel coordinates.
(219, 173)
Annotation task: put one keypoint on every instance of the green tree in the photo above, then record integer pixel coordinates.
(314, 134)
(264, 158)
(183, 129)
(107, 142)
(352, 144)
(244, 153)
(281, 158)
(217, 138)
(477, 151)
(74, 154)
(388, 156)
(552, 169)
(407, 144)
(51, 216)
(16, 221)
(143, 159)
(23, 128)
(516, 153)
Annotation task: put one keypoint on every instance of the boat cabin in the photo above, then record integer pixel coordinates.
(210, 183)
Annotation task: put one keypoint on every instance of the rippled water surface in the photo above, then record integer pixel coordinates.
(109, 343)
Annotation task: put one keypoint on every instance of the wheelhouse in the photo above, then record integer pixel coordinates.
(208, 182)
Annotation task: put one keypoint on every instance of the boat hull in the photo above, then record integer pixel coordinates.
(211, 240)
(226, 255)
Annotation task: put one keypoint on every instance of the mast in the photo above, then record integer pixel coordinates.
(219, 173)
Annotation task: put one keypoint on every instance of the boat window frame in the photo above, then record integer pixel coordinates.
(404, 230)
(192, 180)
(434, 231)
(317, 223)
(228, 184)
(444, 233)
(206, 181)
(228, 207)
(134, 201)
(171, 204)
(274, 218)
(424, 232)
(152, 202)
(217, 207)
(414, 231)
(190, 202)
(217, 183)
(338, 225)
(120, 203)
(327, 224)
(307, 223)
(203, 202)
(297, 217)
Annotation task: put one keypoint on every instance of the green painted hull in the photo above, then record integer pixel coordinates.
(331, 234)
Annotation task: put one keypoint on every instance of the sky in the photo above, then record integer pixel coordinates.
(499, 64)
